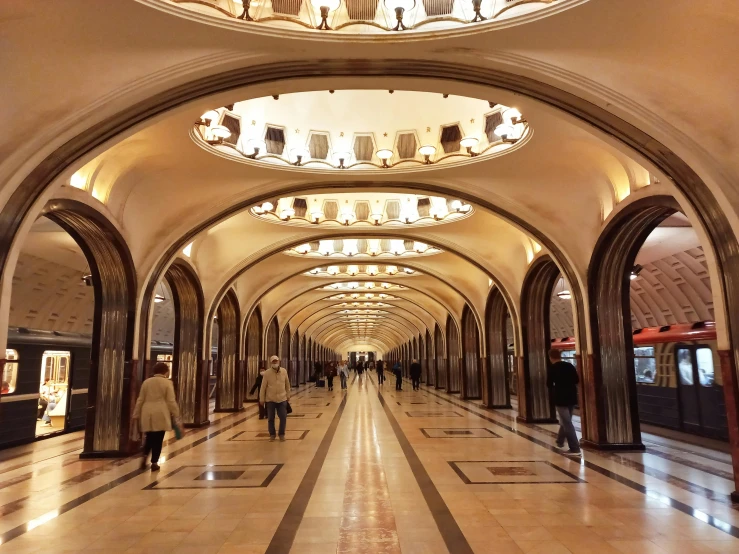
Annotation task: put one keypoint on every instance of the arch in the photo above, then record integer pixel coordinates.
(454, 369)
(471, 386)
(534, 403)
(189, 368)
(272, 340)
(294, 370)
(252, 352)
(284, 352)
(495, 383)
(430, 361)
(114, 378)
(422, 356)
(229, 373)
(612, 392)
(441, 370)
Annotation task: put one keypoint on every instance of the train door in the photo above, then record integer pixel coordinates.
(53, 392)
(701, 400)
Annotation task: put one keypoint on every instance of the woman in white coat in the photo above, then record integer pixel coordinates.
(155, 408)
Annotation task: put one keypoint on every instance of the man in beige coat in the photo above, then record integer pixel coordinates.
(275, 393)
(155, 408)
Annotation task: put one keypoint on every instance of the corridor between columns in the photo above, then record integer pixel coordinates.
(370, 470)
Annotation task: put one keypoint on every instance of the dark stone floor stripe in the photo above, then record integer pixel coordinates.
(283, 539)
(453, 537)
(678, 505)
(72, 504)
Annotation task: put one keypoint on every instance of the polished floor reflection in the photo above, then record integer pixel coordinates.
(375, 471)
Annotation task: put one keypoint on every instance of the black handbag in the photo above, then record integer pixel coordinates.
(289, 408)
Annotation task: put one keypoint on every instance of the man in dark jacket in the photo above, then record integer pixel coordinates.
(562, 379)
(398, 371)
(416, 374)
(380, 372)
(255, 389)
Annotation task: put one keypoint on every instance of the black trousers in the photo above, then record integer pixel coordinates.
(381, 377)
(153, 445)
(416, 382)
(398, 382)
(330, 379)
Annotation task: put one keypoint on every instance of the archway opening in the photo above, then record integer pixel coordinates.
(656, 357)
(70, 337)
(253, 354)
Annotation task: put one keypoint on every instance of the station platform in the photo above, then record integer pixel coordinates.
(374, 470)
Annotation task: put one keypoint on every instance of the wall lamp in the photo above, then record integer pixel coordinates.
(400, 7)
(427, 152)
(635, 272)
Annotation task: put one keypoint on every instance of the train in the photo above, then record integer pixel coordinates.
(45, 383)
(678, 377)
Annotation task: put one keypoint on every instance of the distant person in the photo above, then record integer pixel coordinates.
(343, 373)
(380, 367)
(275, 393)
(562, 379)
(416, 374)
(360, 368)
(398, 371)
(330, 376)
(155, 408)
(255, 389)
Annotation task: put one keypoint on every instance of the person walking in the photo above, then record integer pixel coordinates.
(255, 389)
(343, 373)
(398, 371)
(416, 374)
(380, 368)
(275, 394)
(155, 409)
(562, 379)
(330, 376)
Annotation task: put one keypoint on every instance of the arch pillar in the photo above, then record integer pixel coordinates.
(189, 373)
(536, 295)
(496, 388)
(230, 368)
(252, 353)
(471, 360)
(114, 375)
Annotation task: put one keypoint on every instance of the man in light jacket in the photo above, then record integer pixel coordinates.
(275, 393)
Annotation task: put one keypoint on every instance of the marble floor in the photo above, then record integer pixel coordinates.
(375, 471)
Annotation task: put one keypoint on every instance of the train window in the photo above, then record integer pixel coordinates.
(685, 366)
(704, 357)
(10, 371)
(569, 356)
(645, 365)
(167, 359)
(55, 368)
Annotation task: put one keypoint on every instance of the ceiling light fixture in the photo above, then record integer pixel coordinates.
(385, 155)
(469, 143)
(342, 157)
(159, 298)
(427, 152)
(325, 7)
(255, 146)
(476, 5)
(635, 272)
(209, 117)
(219, 134)
(298, 154)
(507, 133)
(287, 213)
(245, 14)
(400, 7)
